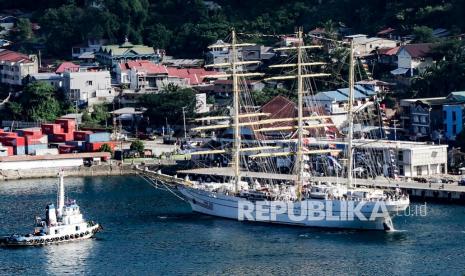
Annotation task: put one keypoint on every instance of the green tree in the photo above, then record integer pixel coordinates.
(168, 104)
(138, 146)
(37, 102)
(423, 34)
(105, 148)
(23, 30)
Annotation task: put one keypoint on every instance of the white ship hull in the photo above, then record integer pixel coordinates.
(226, 206)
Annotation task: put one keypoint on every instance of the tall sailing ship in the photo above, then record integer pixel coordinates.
(299, 200)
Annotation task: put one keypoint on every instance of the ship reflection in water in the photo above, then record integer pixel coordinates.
(68, 257)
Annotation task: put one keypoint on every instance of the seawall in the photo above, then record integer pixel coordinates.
(95, 170)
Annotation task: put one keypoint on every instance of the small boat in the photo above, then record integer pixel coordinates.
(62, 224)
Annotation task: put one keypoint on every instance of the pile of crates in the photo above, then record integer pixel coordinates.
(24, 141)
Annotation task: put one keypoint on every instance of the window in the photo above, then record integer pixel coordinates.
(89, 83)
(415, 119)
(454, 129)
(454, 116)
(77, 228)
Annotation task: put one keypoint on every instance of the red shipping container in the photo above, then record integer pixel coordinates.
(9, 150)
(34, 132)
(62, 137)
(10, 134)
(66, 149)
(36, 140)
(68, 125)
(51, 128)
(13, 141)
(93, 147)
(81, 135)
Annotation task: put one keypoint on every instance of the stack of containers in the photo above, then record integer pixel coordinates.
(95, 140)
(9, 149)
(17, 143)
(35, 140)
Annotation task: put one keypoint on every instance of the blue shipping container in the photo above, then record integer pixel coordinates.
(98, 137)
(31, 149)
(78, 144)
(19, 150)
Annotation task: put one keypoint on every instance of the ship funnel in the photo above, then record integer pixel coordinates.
(51, 216)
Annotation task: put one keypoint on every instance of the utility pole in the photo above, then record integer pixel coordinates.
(184, 120)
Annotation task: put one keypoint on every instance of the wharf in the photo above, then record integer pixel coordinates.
(438, 191)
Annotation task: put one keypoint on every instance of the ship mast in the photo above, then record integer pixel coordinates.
(350, 117)
(300, 134)
(236, 129)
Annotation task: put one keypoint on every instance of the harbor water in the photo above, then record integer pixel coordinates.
(151, 232)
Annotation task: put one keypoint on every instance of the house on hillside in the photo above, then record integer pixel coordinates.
(14, 67)
(87, 50)
(454, 114)
(7, 22)
(112, 55)
(88, 88)
(146, 76)
(364, 45)
(413, 59)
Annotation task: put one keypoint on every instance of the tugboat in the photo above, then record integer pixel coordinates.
(61, 224)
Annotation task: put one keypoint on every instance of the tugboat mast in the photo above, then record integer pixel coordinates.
(61, 195)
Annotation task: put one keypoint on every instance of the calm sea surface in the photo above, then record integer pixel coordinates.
(147, 231)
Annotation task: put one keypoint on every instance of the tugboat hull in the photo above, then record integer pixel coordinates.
(20, 241)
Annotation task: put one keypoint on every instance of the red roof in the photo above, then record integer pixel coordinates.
(418, 50)
(145, 66)
(10, 56)
(67, 66)
(388, 51)
(194, 75)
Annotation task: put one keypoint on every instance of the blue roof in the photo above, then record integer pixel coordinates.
(357, 94)
(364, 90)
(335, 95)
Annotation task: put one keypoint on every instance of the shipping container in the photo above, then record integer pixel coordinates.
(68, 125)
(93, 147)
(52, 128)
(61, 137)
(13, 141)
(3, 152)
(66, 149)
(78, 144)
(81, 135)
(33, 131)
(31, 149)
(10, 134)
(10, 150)
(36, 140)
(19, 150)
(47, 151)
(98, 137)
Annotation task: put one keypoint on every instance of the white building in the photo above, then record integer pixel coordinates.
(16, 66)
(364, 45)
(413, 59)
(87, 50)
(53, 79)
(89, 87)
(412, 158)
